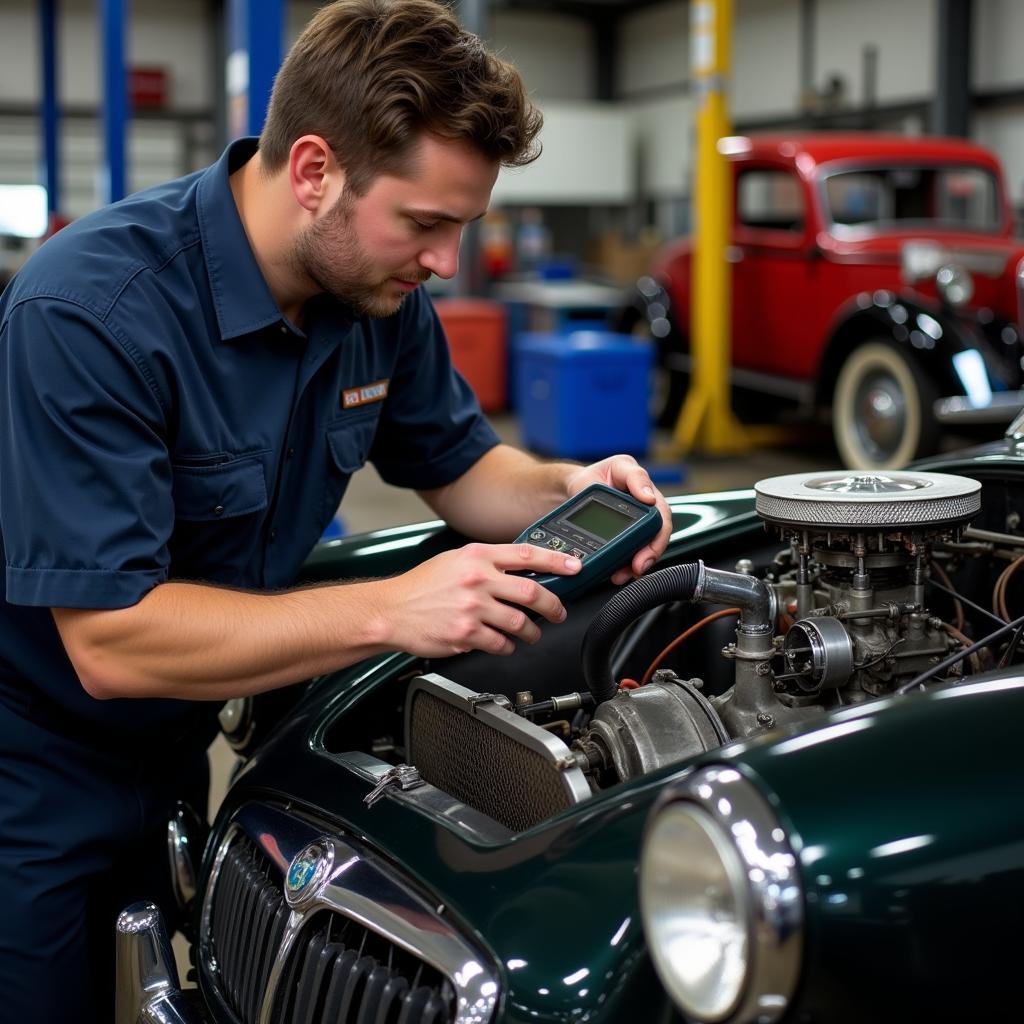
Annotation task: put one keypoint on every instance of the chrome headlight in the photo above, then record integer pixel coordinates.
(721, 900)
(955, 284)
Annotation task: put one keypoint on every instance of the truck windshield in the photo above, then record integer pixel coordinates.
(953, 197)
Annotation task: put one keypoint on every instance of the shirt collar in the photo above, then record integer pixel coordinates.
(241, 297)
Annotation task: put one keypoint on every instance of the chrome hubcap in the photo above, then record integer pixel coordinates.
(881, 411)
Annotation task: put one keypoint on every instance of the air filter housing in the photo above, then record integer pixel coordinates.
(470, 746)
(868, 501)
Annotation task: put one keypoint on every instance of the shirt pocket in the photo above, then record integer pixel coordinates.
(349, 440)
(234, 488)
(219, 512)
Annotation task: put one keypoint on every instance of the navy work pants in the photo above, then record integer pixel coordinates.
(82, 835)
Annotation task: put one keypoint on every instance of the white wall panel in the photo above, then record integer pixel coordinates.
(174, 36)
(997, 32)
(766, 58)
(1003, 131)
(19, 47)
(588, 157)
(554, 53)
(654, 48)
(903, 33)
(665, 129)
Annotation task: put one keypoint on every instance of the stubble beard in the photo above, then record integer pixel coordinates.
(328, 254)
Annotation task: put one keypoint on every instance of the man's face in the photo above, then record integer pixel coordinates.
(370, 251)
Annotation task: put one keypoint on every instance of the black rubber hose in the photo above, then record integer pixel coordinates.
(677, 583)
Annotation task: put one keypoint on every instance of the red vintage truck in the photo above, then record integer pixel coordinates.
(874, 280)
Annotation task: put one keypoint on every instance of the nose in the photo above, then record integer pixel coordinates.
(442, 256)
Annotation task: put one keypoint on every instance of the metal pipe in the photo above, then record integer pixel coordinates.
(115, 100)
(50, 110)
(752, 595)
(706, 421)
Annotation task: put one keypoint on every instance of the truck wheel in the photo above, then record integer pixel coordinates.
(882, 409)
(670, 385)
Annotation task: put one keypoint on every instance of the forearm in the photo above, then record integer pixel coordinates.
(501, 494)
(197, 642)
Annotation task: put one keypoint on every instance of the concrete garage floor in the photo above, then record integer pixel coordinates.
(371, 504)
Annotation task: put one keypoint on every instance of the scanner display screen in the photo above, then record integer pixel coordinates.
(598, 519)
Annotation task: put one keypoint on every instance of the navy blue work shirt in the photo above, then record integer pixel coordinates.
(162, 420)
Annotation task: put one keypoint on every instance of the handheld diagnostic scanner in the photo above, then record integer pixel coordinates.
(601, 526)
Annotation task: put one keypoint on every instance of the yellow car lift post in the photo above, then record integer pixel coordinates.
(706, 422)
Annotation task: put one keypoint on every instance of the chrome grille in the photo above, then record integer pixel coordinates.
(357, 946)
(341, 972)
(247, 924)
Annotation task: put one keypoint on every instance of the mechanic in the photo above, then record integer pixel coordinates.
(190, 377)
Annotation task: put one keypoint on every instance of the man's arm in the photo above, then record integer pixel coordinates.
(507, 489)
(196, 642)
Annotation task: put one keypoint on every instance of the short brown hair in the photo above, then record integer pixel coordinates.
(371, 76)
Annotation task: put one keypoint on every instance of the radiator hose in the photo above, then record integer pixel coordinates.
(689, 582)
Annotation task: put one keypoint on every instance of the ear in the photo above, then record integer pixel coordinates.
(315, 177)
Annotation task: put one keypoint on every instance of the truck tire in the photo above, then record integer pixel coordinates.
(882, 409)
(670, 385)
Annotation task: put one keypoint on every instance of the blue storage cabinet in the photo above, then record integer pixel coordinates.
(585, 394)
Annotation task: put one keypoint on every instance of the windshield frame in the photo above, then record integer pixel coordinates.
(887, 227)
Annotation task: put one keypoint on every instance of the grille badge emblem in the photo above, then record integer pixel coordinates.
(308, 871)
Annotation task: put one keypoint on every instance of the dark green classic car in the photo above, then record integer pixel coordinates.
(779, 779)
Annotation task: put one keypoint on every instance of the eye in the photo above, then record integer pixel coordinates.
(424, 225)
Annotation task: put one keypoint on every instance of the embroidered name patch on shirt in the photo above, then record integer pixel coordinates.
(376, 392)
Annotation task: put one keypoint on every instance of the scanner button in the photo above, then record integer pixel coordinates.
(576, 553)
(557, 543)
(537, 535)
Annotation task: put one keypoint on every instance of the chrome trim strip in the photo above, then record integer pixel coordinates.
(425, 798)
(960, 409)
(491, 713)
(776, 925)
(184, 849)
(362, 887)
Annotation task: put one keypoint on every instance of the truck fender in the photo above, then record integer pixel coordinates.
(925, 332)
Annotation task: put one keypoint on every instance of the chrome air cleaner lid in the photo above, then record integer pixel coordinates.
(845, 499)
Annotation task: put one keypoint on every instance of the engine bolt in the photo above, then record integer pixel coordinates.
(765, 720)
(779, 685)
(524, 697)
(1013, 521)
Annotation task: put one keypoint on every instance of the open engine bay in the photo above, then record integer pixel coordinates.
(851, 588)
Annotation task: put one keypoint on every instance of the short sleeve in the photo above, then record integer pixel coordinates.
(85, 480)
(431, 430)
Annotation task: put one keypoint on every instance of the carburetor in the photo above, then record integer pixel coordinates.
(858, 556)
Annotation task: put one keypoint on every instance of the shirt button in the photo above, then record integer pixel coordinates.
(218, 510)
(283, 329)
(290, 452)
(273, 536)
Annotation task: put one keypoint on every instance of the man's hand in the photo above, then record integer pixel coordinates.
(468, 600)
(626, 474)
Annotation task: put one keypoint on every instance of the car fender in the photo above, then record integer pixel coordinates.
(649, 301)
(929, 334)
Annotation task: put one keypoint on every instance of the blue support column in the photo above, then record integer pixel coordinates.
(254, 37)
(50, 111)
(115, 101)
